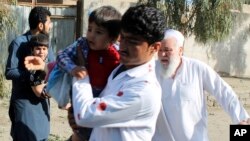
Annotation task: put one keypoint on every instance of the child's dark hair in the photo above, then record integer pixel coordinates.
(109, 18)
(147, 22)
(39, 40)
(37, 15)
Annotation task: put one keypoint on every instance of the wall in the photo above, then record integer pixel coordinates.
(89, 6)
(64, 26)
(230, 57)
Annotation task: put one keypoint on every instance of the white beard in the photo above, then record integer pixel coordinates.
(169, 71)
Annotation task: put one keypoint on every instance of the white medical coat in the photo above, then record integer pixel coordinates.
(127, 109)
(184, 114)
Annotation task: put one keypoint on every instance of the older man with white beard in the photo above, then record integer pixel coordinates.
(183, 116)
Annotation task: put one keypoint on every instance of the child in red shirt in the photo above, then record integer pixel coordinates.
(98, 49)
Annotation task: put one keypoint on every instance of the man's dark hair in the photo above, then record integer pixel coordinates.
(109, 18)
(147, 22)
(37, 15)
(39, 40)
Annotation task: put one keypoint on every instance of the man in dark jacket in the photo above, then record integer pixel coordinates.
(29, 114)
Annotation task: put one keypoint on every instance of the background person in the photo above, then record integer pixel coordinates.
(39, 47)
(183, 81)
(25, 106)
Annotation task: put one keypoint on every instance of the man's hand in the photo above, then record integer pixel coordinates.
(245, 122)
(34, 63)
(79, 72)
(71, 119)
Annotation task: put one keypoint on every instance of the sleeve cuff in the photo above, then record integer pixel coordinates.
(70, 67)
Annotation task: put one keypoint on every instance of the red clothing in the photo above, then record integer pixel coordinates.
(50, 66)
(100, 64)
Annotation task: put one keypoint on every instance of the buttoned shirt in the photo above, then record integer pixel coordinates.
(127, 108)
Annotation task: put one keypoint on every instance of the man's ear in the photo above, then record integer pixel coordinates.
(155, 47)
(181, 50)
(40, 26)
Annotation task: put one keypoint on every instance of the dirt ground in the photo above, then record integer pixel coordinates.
(60, 129)
(218, 120)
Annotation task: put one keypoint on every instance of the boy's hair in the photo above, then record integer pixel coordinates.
(147, 22)
(109, 18)
(39, 39)
(37, 15)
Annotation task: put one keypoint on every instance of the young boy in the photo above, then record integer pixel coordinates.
(39, 47)
(98, 49)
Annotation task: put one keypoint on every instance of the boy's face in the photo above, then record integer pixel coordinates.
(135, 51)
(98, 37)
(41, 51)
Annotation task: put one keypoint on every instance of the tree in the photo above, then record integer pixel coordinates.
(7, 20)
(208, 20)
(247, 1)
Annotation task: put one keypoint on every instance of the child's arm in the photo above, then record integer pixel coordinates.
(65, 59)
(38, 84)
(38, 90)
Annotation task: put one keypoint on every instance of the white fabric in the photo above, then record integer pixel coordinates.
(58, 87)
(184, 102)
(131, 103)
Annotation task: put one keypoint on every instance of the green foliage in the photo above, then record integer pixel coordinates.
(208, 20)
(1, 85)
(7, 21)
(14, 2)
(4, 90)
(247, 2)
(9, 1)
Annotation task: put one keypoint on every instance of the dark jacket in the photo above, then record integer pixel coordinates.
(29, 114)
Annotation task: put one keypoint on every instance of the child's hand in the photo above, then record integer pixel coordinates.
(79, 72)
(34, 63)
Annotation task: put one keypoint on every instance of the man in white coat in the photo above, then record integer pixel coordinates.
(128, 107)
(183, 116)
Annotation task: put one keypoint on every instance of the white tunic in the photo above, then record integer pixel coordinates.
(184, 102)
(127, 109)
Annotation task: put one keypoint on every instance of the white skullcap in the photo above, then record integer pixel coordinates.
(175, 34)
